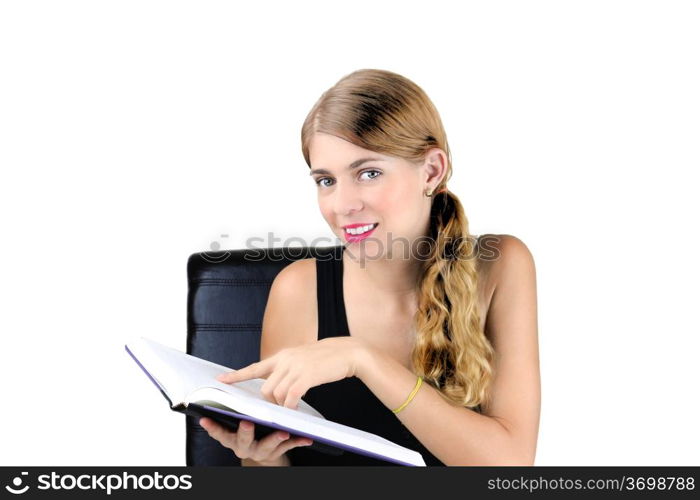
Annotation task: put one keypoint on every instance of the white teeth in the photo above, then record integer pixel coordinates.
(360, 230)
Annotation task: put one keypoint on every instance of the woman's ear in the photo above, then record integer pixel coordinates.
(435, 167)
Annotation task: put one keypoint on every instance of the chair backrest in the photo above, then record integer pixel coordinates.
(226, 299)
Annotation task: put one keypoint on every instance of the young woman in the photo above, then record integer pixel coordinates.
(416, 331)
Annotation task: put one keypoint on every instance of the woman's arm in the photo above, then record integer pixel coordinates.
(284, 302)
(506, 434)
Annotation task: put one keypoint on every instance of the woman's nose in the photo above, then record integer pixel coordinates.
(346, 199)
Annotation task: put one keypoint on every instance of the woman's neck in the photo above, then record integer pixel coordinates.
(395, 278)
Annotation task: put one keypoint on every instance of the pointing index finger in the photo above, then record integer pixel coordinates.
(251, 371)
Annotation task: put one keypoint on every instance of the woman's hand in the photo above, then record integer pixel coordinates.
(269, 451)
(293, 371)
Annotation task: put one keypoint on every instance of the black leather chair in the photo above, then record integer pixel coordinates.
(227, 294)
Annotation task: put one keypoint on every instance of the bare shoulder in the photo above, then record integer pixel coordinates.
(499, 253)
(512, 279)
(502, 259)
(296, 276)
(290, 314)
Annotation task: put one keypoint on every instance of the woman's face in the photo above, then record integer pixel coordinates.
(385, 191)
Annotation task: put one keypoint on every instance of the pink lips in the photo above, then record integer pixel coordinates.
(353, 238)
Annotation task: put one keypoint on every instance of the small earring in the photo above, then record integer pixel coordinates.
(428, 194)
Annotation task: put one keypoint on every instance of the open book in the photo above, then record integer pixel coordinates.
(190, 386)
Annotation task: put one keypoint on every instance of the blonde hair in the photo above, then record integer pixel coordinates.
(384, 112)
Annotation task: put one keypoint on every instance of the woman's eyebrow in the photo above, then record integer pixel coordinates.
(353, 165)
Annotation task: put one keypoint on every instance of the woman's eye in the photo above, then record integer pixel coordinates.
(370, 171)
(320, 180)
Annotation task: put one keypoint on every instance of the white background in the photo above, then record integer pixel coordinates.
(135, 133)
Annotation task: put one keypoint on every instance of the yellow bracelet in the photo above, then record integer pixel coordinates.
(410, 397)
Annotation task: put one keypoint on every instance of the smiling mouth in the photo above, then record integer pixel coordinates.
(357, 231)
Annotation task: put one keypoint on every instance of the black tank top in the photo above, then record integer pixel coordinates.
(348, 401)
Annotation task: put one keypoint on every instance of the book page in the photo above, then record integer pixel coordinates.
(185, 374)
(157, 370)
